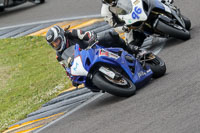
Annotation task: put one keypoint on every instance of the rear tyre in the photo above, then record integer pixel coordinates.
(182, 34)
(125, 89)
(42, 1)
(157, 66)
(2, 9)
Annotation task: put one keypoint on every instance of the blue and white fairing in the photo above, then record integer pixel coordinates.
(132, 11)
(77, 69)
(86, 60)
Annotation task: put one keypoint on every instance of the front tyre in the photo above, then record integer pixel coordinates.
(187, 22)
(175, 31)
(157, 66)
(122, 87)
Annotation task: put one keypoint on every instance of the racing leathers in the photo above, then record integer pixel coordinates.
(84, 39)
(134, 38)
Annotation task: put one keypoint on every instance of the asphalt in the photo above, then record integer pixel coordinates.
(169, 104)
(51, 10)
(72, 98)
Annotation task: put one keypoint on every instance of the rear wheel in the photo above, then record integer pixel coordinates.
(2, 9)
(42, 1)
(157, 66)
(173, 31)
(122, 86)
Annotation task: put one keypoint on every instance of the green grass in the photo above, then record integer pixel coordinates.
(29, 73)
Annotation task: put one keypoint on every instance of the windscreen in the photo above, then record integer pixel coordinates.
(123, 7)
(68, 52)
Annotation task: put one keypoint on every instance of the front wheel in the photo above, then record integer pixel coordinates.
(173, 31)
(157, 66)
(122, 87)
(187, 22)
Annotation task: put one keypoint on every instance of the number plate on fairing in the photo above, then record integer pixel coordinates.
(137, 13)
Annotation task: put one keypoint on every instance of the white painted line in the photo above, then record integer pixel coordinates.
(52, 21)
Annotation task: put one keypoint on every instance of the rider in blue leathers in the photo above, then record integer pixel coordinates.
(61, 39)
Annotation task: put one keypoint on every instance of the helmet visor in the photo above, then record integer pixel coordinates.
(56, 43)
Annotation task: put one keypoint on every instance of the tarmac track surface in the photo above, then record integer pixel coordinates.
(169, 104)
(51, 9)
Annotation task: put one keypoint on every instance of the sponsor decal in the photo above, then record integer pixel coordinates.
(75, 68)
(136, 2)
(130, 21)
(108, 54)
(103, 53)
(142, 73)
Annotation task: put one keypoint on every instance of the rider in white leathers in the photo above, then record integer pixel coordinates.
(134, 38)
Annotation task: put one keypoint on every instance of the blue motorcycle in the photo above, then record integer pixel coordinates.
(111, 70)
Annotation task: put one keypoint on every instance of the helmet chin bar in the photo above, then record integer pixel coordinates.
(62, 45)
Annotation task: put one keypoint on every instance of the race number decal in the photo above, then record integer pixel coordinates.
(137, 12)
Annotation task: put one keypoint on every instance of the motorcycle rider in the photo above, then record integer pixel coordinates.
(61, 39)
(134, 38)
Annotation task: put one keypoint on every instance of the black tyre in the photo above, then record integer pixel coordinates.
(2, 9)
(37, 1)
(42, 1)
(187, 22)
(182, 34)
(158, 67)
(126, 89)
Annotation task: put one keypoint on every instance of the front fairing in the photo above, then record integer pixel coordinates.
(134, 13)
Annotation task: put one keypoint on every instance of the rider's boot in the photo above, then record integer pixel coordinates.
(136, 51)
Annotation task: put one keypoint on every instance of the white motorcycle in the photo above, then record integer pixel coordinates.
(11, 3)
(153, 17)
